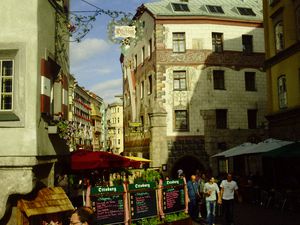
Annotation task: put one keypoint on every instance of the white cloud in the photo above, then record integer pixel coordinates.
(108, 89)
(87, 48)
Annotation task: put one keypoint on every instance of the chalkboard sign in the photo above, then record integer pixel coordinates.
(142, 200)
(109, 204)
(173, 196)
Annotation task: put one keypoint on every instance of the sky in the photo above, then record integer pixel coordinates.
(94, 61)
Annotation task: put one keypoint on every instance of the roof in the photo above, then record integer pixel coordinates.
(200, 8)
(48, 200)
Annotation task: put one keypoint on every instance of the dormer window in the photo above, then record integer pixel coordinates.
(246, 11)
(215, 9)
(178, 7)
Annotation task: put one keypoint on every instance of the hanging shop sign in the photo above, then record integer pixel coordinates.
(125, 31)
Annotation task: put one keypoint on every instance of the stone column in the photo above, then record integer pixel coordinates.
(158, 142)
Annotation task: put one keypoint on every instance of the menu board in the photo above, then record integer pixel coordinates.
(173, 196)
(109, 204)
(142, 200)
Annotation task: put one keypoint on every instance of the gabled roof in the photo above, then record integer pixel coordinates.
(200, 8)
(48, 200)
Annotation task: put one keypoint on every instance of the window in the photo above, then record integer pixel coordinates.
(150, 85)
(250, 81)
(219, 81)
(142, 89)
(179, 80)
(247, 41)
(177, 7)
(6, 88)
(181, 120)
(215, 9)
(282, 92)
(150, 48)
(252, 118)
(135, 62)
(279, 37)
(178, 42)
(119, 141)
(143, 54)
(221, 118)
(217, 42)
(246, 11)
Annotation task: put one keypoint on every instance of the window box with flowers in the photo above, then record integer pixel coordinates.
(65, 129)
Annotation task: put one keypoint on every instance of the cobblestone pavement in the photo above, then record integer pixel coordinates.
(250, 214)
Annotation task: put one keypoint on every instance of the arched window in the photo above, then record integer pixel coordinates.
(279, 38)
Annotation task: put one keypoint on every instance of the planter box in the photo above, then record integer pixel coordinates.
(52, 129)
(186, 221)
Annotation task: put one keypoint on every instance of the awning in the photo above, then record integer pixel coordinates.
(287, 151)
(139, 159)
(234, 150)
(88, 160)
(48, 200)
(261, 147)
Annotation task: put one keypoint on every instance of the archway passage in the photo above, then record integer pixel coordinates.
(189, 165)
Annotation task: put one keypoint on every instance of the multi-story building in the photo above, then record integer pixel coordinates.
(80, 114)
(194, 83)
(282, 38)
(115, 125)
(34, 70)
(96, 118)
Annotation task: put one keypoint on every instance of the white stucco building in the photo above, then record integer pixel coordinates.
(194, 81)
(34, 74)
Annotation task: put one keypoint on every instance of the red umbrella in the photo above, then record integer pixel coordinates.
(88, 160)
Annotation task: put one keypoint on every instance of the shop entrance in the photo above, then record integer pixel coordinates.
(189, 165)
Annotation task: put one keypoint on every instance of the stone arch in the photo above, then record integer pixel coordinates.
(189, 164)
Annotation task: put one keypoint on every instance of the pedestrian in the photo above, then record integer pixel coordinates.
(228, 189)
(211, 192)
(194, 196)
(201, 183)
(82, 216)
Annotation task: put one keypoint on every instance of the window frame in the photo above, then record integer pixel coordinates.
(182, 7)
(150, 83)
(178, 42)
(219, 79)
(177, 78)
(3, 79)
(217, 42)
(217, 9)
(279, 40)
(247, 47)
(221, 119)
(250, 81)
(252, 118)
(282, 92)
(181, 119)
(15, 117)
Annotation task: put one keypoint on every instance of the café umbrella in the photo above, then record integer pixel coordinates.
(89, 160)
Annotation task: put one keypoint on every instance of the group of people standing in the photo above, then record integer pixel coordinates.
(206, 192)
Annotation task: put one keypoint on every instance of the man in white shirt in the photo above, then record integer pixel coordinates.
(211, 191)
(228, 189)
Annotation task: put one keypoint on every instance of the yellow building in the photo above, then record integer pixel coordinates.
(282, 40)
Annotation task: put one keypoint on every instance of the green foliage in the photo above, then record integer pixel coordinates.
(151, 176)
(176, 216)
(156, 221)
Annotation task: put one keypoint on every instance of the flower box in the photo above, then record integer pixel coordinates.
(52, 130)
(185, 221)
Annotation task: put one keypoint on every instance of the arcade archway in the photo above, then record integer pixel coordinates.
(189, 165)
